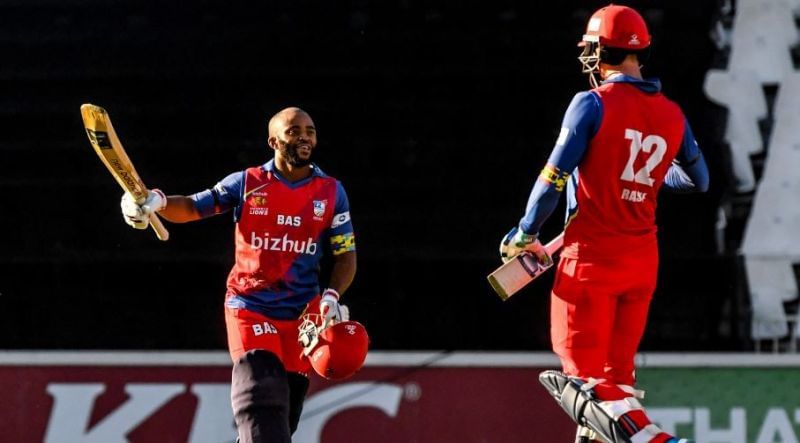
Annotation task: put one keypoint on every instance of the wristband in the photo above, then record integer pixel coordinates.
(163, 198)
(331, 292)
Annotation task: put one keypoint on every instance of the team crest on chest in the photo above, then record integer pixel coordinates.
(258, 203)
(319, 208)
(258, 200)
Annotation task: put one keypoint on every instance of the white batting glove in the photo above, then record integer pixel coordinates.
(330, 309)
(138, 216)
(517, 242)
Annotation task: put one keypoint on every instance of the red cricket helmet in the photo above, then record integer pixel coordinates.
(338, 351)
(616, 26)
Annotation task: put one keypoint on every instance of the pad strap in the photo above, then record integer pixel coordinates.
(647, 434)
(638, 393)
(617, 408)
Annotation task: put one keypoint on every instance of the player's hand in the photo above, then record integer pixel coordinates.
(517, 242)
(138, 216)
(330, 309)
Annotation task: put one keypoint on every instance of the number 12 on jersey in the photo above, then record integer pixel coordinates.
(653, 144)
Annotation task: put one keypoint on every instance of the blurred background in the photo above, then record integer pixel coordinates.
(437, 117)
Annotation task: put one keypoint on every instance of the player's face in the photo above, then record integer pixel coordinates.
(296, 139)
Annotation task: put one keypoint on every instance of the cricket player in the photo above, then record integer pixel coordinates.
(618, 144)
(288, 214)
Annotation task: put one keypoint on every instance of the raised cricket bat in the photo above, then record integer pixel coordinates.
(514, 274)
(105, 142)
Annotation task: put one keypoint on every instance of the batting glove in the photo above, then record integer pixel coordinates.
(330, 309)
(517, 242)
(138, 216)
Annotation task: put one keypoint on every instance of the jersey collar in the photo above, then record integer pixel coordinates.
(270, 167)
(650, 85)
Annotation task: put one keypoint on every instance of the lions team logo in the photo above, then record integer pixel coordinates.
(258, 200)
(258, 204)
(319, 207)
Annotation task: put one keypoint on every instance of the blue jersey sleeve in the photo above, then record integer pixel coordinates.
(224, 196)
(580, 124)
(689, 172)
(342, 238)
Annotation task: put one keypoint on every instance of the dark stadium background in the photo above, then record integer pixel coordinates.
(436, 116)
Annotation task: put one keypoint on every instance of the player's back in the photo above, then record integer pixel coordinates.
(618, 179)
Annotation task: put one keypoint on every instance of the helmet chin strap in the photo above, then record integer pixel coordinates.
(593, 80)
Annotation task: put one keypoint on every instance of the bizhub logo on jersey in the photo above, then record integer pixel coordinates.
(283, 244)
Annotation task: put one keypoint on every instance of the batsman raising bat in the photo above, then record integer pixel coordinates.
(619, 143)
(288, 214)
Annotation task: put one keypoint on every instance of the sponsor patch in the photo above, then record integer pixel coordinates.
(633, 195)
(340, 219)
(283, 244)
(551, 174)
(289, 220)
(343, 243)
(220, 189)
(562, 137)
(264, 328)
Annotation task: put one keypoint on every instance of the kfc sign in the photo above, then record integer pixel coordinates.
(91, 398)
(73, 404)
(324, 405)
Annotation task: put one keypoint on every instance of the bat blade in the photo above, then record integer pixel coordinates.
(108, 147)
(515, 274)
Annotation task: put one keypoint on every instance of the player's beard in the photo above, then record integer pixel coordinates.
(289, 151)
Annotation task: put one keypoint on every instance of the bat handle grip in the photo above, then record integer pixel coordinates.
(158, 226)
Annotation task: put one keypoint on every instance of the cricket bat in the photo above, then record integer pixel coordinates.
(105, 142)
(514, 274)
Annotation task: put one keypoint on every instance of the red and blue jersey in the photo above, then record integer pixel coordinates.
(282, 231)
(618, 144)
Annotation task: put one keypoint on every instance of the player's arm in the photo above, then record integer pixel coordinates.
(342, 244)
(343, 249)
(688, 172)
(224, 196)
(580, 124)
(343, 271)
(180, 209)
